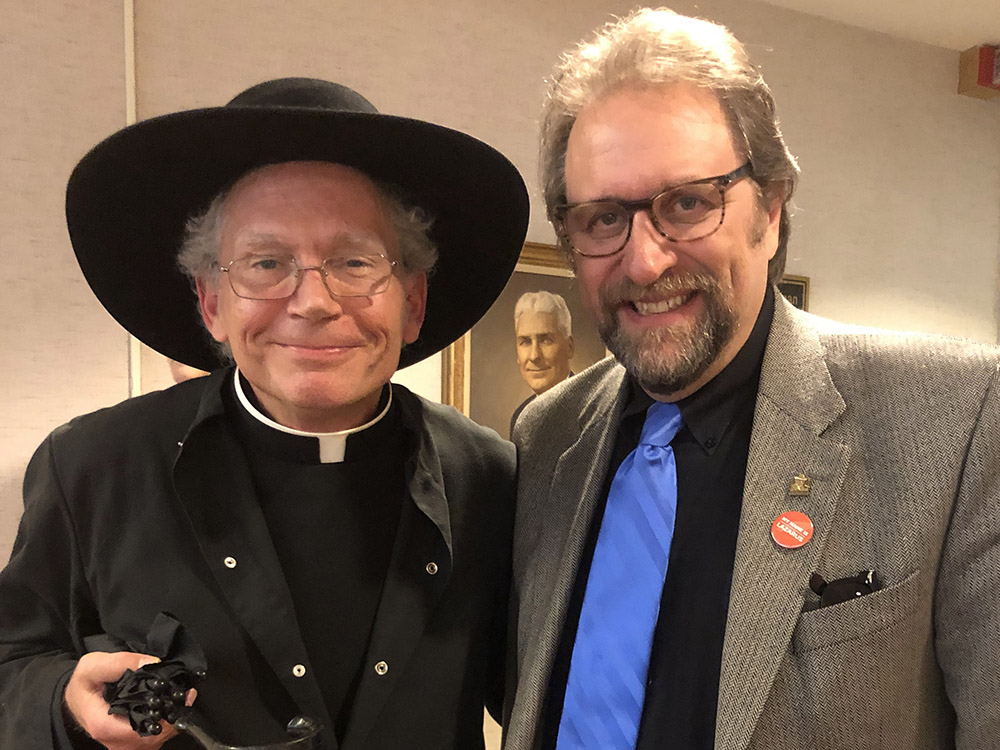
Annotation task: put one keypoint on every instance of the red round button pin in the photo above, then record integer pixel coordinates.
(792, 529)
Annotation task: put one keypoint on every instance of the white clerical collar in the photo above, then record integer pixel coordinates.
(332, 445)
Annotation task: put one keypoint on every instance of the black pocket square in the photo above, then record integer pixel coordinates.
(843, 589)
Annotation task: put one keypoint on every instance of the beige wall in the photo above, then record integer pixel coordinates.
(899, 209)
(898, 221)
(64, 89)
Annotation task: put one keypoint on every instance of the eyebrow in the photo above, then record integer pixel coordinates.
(358, 239)
(664, 187)
(265, 241)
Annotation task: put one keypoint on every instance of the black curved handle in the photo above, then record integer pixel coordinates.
(304, 734)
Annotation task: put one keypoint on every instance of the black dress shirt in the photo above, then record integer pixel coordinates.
(333, 527)
(711, 454)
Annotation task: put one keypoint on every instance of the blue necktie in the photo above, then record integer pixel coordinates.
(607, 675)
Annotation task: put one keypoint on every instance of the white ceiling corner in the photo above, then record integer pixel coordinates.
(952, 24)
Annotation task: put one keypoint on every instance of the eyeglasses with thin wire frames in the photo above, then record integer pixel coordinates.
(270, 277)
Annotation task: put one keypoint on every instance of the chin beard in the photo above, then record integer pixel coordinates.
(668, 360)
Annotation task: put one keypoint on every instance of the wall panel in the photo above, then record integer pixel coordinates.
(62, 353)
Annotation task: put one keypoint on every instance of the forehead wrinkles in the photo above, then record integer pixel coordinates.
(261, 240)
(273, 208)
(531, 321)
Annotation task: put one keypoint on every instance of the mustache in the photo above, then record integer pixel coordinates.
(625, 291)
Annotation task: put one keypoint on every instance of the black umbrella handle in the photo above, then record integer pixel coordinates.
(304, 734)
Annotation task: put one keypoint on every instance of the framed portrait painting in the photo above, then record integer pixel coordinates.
(481, 374)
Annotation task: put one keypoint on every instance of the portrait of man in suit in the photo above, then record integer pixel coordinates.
(751, 528)
(543, 341)
(543, 335)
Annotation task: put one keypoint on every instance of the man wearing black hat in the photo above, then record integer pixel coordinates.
(336, 546)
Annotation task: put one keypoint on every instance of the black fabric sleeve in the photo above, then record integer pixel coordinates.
(44, 604)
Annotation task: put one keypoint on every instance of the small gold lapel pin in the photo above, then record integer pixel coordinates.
(801, 484)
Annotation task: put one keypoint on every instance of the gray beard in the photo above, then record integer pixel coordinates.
(645, 355)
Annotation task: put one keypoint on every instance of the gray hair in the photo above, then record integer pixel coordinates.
(545, 302)
(658, 46)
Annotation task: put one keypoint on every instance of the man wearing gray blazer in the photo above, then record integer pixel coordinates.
(832, 567)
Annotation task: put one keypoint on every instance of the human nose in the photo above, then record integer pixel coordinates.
(312, 296)
(647, 254)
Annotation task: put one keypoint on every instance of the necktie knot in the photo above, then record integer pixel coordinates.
(663, 421)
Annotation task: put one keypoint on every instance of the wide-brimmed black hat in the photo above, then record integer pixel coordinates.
(128, 200)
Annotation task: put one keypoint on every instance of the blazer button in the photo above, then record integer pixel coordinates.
(381, 668)
(299, 670)
(432, 568)
(230, 562)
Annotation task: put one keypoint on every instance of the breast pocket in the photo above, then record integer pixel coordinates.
(859, 674)
(864, 616)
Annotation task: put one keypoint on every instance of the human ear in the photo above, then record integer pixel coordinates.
(415, 306)
(208, 303)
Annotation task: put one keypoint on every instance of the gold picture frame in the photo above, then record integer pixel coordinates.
(480, 375)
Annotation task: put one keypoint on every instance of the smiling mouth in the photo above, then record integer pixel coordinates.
(319, 347)
(662, 306)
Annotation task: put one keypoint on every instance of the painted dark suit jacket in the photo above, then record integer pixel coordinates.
(900, 435)
(134, 510)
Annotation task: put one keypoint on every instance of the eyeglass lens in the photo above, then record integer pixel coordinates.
(277, 277)
(686, 213)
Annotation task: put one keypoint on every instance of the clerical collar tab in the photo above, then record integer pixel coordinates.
(332, 445)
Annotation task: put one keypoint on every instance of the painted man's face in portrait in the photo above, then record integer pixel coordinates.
(543, 351)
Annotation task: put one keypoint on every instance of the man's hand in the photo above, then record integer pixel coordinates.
(85, 701)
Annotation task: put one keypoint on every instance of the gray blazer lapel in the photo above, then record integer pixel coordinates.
(796, 402)
(553, 533)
